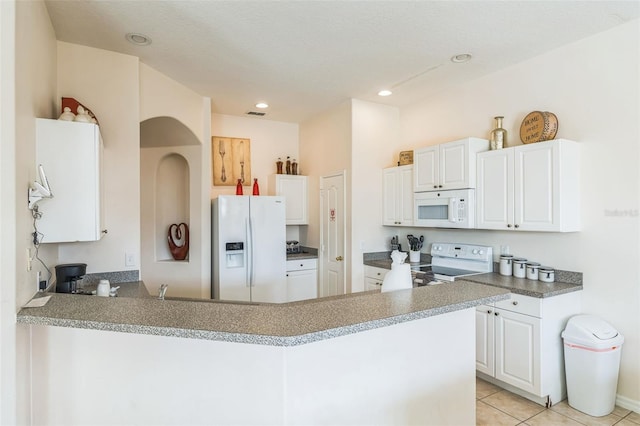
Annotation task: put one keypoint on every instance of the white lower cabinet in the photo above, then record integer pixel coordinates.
(302, 279)
(373, 277)
(519, 346)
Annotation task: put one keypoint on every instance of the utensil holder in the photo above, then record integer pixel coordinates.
(414, 256)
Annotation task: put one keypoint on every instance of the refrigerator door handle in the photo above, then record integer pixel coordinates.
(250, 251)
(249, 257)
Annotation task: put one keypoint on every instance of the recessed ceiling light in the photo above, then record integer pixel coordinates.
(461, 58)
(138, 39)
(262, 105)
(385, 93)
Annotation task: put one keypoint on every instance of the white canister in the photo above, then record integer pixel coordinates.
(546, 274)
(532, 270)
(104, 287)
(506, 264)
(414, 256)
(519, 267)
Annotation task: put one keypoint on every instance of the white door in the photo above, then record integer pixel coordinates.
(332, 234)
(494, 193)
(517, 349)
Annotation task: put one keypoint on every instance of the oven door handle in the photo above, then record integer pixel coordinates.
(453, 210)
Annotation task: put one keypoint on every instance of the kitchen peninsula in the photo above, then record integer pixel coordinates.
(404, 357)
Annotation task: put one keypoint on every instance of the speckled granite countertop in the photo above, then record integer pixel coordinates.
(524, 286)
(307, 253)
(287, 324)
(566, 281)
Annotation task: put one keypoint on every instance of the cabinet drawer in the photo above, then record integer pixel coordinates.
(373, 272)
(522, 304)
(301, 264)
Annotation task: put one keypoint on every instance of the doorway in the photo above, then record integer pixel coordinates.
(332, 234)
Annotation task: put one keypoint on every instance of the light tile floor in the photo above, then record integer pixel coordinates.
(498, 407)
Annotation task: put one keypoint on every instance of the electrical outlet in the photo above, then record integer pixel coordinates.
(129, 259)
(28, 260)
(504, 250)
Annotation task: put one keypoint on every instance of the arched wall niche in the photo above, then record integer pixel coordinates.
(171, 170)
(171, 200)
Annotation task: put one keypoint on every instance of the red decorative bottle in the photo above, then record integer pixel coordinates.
(256, 188)
(239, 187)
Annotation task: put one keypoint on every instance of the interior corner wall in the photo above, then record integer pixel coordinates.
(593, 87)
(28, 80)
(108, 84)
(374, 146)
(325, 148)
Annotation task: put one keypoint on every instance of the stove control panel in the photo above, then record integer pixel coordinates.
(462, 251)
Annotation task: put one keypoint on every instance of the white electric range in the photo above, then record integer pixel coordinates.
(453, 260)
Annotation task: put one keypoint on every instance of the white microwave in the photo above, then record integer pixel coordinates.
(445, 209)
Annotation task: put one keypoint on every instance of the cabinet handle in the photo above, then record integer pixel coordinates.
(496, 314)
(339, 258)
(301, 265)
(489, 311)
(515, 302)
(516, 226)
(439, 186)
(287, 274)
(508, 225)
(435, 186)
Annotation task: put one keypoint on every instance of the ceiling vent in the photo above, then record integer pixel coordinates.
(258, 113)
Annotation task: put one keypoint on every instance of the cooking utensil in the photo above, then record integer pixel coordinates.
(221, 151)
(242, 161)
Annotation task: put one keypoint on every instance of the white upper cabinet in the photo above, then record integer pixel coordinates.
(71, 155)
(294, 189)
(532, 187)
(397, 196)
(450, 165)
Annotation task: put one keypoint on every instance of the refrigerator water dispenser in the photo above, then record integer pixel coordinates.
(235, 254)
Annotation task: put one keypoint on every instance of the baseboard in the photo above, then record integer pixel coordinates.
(628, 403)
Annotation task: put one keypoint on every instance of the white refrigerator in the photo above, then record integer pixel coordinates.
(249, 251)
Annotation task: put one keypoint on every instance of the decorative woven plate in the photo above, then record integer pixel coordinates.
(538, 126)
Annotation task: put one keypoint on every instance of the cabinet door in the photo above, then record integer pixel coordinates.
(390, 196)
(294, 190)
(485, 339)
(454, 165)
(71, 155)
(372, 284)
(426, 169)
(517, 346)
(494, 193)
(302, 285)
(405, 195)
(397, 196)
(536, 180)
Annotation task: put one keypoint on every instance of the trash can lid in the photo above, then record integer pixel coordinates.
(592, 332)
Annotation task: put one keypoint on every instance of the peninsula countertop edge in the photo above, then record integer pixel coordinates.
(287, 324)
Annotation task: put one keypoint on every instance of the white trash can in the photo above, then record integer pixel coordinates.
(592, 349)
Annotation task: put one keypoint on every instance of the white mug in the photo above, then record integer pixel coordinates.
(104, 287)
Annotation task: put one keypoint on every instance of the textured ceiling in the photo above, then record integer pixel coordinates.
(303, 57)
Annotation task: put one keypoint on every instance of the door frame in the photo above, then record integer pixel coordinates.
(321, 254)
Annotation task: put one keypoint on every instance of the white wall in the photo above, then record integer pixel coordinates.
(375, 135)
(108, 84)
(28, 76)
(593, 87)
(269, 140)
(162, 97)
(325, 148)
